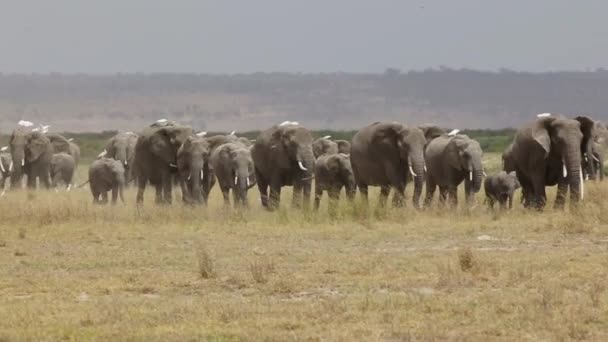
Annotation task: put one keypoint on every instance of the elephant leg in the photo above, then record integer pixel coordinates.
(363, 191)
(297, 195)
(184, 185)
(490, 201)
(510, 201)
(226, 195)
(333, 195)
(318, 195)
(262, 188)
(443, 195)
(45, 177)
(141, 187)
(384, 192)
(527, 190)
(104, 197)
(158, 188)
(306, 190)
(275, 193)
(540, 196)
(114, 194)
(562, 190)
(399, 195)
(431, 186)
(167, 189)
(468, 193)
(453, 196)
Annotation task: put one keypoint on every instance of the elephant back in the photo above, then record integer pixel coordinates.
(59, 143)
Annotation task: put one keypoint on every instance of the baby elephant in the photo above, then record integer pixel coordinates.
(500, 188)
(332, 173)
(233, 167)
(62, 170)
(106, 174)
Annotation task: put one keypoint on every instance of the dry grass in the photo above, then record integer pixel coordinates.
(86, 272)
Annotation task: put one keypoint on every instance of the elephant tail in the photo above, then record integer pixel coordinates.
(83, 184)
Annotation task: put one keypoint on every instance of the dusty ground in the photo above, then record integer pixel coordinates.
(70, 270)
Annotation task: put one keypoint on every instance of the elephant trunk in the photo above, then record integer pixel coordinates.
(17, 166)
(306, 160)
(196, 177)
(242, 183)
(574, 176)
(475, 175)
(590, 159)
(417, 169)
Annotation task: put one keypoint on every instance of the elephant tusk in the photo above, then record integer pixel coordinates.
(2, 167)
(424, 168)
(126, 162)
(302, 166)
(69, 187)
(595, 158)
(248, 181)
(582, 183)
(412, 171)
(22, 162)
(189, 176)
(484, 174)
(471, 176)
(202, 174)
(564, 171)
(173, 165)
(236, 179)
(10, 167)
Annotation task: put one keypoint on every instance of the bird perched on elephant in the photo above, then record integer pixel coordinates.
(106, 174)
(193, 169)
(500, 188)
(62, 170)
(122, 148)
(549, 151)
(156, 159)
(332, 173)
(382, 154)
(324, 145)
(5, 168)
(233, 166)
(31, 154)
(283, 156)
(451, 159)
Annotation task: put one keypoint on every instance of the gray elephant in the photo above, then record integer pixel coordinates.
(323, 145)
(193, 169)
(500, 188)
(122, 148)
(451, 159)
(549, 151)
(5, 168)
(156, 160)
(599, 151)
(233, 166)
(332, 173)
(106, 174)
(382, 154)
(343, 146)
(62, 170)
(283, 156)
(31, 153)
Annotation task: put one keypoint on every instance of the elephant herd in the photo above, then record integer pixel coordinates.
(550, 150)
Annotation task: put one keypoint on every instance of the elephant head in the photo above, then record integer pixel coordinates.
(431, 131)
(566, 140)
(26, 147)
(293, 148)
(244, 174)
(408, 143)
(323, 146)
(122, 148)
(191, 159)
(59, 142)
(166, 140)
(343, 146)
(464, 153)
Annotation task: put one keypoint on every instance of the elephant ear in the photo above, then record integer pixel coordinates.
(59, 143)
(431, 131)
(587, 127)
(160, 145)
(36, 146)
(540, 133)
(454, 151)
(386, 134)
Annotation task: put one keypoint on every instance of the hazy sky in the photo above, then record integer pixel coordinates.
(225, 36)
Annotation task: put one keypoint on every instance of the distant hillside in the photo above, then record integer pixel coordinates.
(451, 98)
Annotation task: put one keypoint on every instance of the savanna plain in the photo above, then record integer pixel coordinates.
(70, 270)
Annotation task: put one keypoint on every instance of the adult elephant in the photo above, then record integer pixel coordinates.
(121, 147)
(381, 155)
(5, 168)
(599, 151)
(548, 151)
(192, 158)
(451, 159)
(156, 158)
(233, 166)
(31, 153)
(283, 156)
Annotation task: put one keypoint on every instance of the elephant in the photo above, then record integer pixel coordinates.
(156, 159)
(233, 166)
(343, 146)
(381, 155)
(59, 143)
(5, 168)
(106, 174)
(31, 153)
(122, 148)
(332, 173)
(283, 156)
(62, 170)
(500, 188)
(599, 150)
(193, 169)
(324, 145)
(450, 159)
(548, 151)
